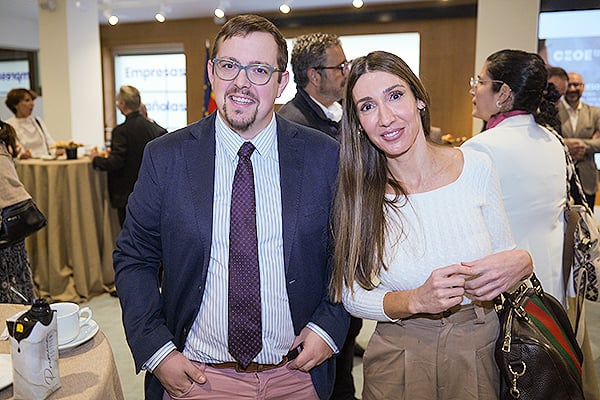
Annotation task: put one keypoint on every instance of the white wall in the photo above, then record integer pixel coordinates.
(17, 32)
(68, 41)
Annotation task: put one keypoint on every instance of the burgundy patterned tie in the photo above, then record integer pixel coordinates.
(245, 334)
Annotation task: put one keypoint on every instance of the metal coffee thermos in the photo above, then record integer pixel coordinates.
(34, 352)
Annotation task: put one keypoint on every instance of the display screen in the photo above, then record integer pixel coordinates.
(571, 40)
(14, 74)
(161, 80)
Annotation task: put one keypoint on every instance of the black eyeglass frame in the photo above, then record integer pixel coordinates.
(241, 67)
(343, 66)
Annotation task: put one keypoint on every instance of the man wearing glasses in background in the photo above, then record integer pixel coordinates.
(237, 207)
(580, 124)
(320, 70)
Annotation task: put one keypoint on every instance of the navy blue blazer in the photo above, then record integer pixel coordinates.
(169, 217)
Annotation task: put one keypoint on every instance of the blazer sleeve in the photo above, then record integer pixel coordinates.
(136, 261)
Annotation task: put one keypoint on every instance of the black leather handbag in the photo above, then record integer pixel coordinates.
(19, 221)
(536, 351)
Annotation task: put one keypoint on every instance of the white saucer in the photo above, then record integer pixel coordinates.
(86, 332)
(6, 378)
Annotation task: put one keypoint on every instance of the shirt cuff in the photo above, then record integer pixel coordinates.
(157, 357)
(323, 335)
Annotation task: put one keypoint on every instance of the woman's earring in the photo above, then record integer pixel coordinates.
(498, 105)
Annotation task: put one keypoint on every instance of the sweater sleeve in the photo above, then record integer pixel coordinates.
(366, 303)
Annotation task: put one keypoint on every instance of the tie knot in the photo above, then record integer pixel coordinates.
(246, 150)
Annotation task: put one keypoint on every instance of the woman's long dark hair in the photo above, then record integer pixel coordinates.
(359, 222)
(9, 137)
(527, 76)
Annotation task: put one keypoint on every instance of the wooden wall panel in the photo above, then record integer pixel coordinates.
(447, 59)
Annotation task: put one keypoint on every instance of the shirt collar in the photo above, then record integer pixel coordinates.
(265, 141)
(333, 112)
(568, 106)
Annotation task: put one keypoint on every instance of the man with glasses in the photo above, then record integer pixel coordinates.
(237, 208)
(581, 130)
(320, 69)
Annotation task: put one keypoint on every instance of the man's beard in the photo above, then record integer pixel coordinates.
(239, 126)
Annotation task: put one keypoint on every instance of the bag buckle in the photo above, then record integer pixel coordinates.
(514, 392)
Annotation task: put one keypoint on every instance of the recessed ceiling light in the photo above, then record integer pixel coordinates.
(357, 3)
(284, 8)
(113, 20)
(219, 13)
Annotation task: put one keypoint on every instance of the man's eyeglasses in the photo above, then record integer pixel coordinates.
(475, 81)
(228, 70)
(343, 67)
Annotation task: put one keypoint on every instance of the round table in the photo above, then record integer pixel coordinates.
(71, 258)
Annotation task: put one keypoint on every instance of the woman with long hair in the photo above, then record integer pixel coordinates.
(416, 225)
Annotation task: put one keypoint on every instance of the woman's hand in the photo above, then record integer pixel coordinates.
(25, 154)
(443, 289)
(497, 273)
(94, 153)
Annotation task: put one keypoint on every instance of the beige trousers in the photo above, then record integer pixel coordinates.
(429, 358)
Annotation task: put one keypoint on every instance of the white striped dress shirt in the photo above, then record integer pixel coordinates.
(207, 340)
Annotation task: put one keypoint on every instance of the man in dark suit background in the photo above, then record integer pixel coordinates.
(127, 147)
(580, 125)
(320, 71)
(179, 212)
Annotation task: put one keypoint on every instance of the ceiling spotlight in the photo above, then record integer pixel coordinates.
(160, 15)
(357, 3)
(219, 13)
(284, 8)
(113, 20)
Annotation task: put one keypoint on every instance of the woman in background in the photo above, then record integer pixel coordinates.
(14, 265)
(32, 135)
(512, 94)
(410, 217)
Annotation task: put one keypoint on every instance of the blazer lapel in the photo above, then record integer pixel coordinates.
(199, 154)
(584, 119)
(291, 164)
(563, 115)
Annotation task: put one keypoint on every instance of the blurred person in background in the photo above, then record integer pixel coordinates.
(320, 69)
(581, 131)
(559, 77)
(33, 138)
(512, 94)
(15, 270)
(144, 112)
(127, 146)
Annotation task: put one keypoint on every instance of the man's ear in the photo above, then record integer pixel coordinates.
(313, 76)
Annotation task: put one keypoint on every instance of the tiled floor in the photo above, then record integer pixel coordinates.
(107, 312)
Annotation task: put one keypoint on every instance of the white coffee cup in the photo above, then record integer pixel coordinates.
(70, 319)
